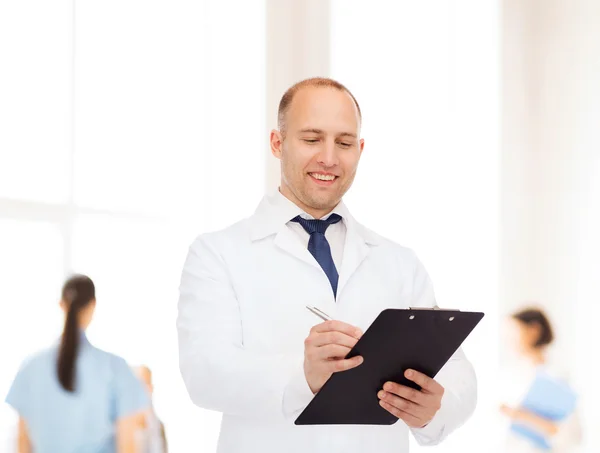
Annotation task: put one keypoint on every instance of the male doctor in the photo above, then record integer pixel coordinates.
(249, 348)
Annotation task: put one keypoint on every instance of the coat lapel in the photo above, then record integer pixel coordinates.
(357, 247)
(287, 241)
(270, 219)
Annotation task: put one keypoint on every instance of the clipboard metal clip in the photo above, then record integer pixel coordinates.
(436, 308)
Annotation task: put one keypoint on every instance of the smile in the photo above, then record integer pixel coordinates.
(323, 177)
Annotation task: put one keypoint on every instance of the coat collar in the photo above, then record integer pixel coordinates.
(275, 211)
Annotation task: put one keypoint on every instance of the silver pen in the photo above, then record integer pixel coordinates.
(319, 313)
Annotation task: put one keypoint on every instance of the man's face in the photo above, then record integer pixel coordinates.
(320, 150)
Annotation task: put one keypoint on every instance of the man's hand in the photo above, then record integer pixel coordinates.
(325, 349)
(416, 408)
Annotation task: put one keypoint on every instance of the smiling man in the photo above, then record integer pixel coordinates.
(317, 143)
(249, 348)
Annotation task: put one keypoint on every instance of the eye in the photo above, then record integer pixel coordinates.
(345, 145)
(310, 140)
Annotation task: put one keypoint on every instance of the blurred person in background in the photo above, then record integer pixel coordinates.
(73, 397)
(532, 335)
(150, 436)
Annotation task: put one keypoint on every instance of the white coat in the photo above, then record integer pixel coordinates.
(242, 323)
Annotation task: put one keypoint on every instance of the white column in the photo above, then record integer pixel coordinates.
(547, 60)
(297, 48)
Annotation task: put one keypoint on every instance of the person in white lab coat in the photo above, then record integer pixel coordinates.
(249, 348)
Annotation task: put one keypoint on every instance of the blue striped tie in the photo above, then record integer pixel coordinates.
(319, 247)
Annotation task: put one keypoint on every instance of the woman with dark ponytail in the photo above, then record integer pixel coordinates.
(74, 397)
(78, 302)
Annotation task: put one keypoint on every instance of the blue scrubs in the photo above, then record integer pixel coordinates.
(79, 422)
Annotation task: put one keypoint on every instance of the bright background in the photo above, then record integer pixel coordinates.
(128, 127)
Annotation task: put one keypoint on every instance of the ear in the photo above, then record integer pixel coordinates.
(276, 142)
(63, 305)
(536, 330)
(531, 334)
(361, 144)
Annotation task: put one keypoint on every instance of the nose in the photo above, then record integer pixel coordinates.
(328, 156)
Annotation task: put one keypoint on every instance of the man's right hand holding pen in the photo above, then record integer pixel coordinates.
(325, 348)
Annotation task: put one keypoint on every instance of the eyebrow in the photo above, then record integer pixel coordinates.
(319, 131)
(311, 131)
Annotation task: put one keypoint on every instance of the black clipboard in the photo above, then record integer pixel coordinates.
(423, 339)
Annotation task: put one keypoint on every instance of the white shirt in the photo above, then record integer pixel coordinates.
(243, 320)
(335, 233)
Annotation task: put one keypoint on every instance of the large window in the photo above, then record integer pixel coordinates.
(429, 175)
(128, 127)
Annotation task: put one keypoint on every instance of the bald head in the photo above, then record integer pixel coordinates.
(317, 82)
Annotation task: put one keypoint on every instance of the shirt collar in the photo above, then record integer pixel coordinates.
(275, 211)
(83, 339)
(289, 209)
